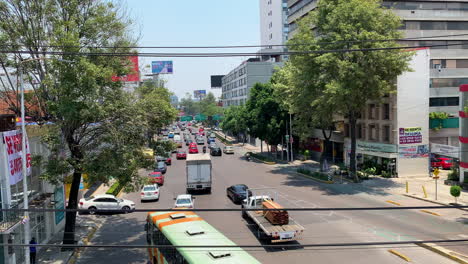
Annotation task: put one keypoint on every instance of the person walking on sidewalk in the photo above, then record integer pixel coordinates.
(32, 251)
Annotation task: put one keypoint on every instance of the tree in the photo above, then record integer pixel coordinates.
(155, 105)
(455, 192)
(347, 79)
(93, 118)
(266, 117)
(235, 120)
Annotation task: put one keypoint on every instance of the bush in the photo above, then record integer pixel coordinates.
(115, 189)
(304, 171)
(455, 191)
(316, 174)
(261, 157)
(386, 174)
(453, 176)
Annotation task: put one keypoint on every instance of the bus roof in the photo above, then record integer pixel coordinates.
(187, 228)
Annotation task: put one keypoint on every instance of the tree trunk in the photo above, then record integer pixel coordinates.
(70, 217)
(261, 146)
(352, 156)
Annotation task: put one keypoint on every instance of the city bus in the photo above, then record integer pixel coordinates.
(188, 229)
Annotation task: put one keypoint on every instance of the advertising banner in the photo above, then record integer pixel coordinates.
(162, 67)
(59, 204)
(374, 147)
(199, 94)
(412, 152)
(134, 75)
(14, 149)
(410, 135)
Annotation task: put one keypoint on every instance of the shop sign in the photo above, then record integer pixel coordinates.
(445, 150)
(375, 147)
(413, 152)
(410, 135)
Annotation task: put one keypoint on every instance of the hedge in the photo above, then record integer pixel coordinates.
(261, 157)
(115, 189)
(222, 139)
(317, 175)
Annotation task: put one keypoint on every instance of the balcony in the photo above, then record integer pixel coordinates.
(444, 123)
(9, 219)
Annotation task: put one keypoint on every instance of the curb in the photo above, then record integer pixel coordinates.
(313, 178)
(442, 251)
(76, 254)
(430, 201)
(121, 192)
(264, 162)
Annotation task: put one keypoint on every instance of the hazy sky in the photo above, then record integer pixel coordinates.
(196, 23)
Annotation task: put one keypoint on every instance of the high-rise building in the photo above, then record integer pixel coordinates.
(423, 21)
(274, 28)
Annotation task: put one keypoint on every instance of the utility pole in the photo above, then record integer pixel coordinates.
(287, 142)
(27, 230)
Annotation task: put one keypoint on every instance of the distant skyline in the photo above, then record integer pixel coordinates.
(196, 23)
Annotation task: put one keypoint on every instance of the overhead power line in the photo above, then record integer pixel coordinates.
(238, 46)
(241, 209)
(215, 54)
(248, 245)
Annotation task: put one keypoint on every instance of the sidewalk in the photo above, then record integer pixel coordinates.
(85, 228)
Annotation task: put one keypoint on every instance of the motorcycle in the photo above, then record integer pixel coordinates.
(204, 149)
(247, 156)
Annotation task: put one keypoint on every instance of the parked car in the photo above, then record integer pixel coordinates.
(161, 167)
(179, 144)
(184, 201)
(210, 140)
(228, 150)
(237, 193)
(181, 154)
(171, 135)
(149, 192)
(105, 202)
(193, 144)
(193, 150)
(156, 177)
(167, 160)
(444, 163)
(215, 151)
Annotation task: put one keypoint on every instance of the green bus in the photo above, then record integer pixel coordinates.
(188, 229)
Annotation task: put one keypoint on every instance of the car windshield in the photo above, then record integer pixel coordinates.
(239, 188)
(149, 188)
(183, 201)
(89, 198)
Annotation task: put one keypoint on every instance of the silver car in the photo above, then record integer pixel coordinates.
(228, 150)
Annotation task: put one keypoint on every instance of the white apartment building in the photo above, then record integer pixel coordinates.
(274, 28)
(237, 83)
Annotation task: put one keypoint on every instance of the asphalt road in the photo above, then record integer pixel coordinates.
(292, 191)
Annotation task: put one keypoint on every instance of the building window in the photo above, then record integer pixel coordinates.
(373, 132)
(444, 101)
(386, 133)
(413, 5)
(447, 82)
(449, 64)
(271, 35)
(372, 110)
(359, 131)
(386, 112)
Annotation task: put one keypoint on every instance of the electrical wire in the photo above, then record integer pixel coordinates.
(240, 46)
(239, 209)
(214, 54)
(318, 245)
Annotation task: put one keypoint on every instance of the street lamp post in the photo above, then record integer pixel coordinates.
(27, 228)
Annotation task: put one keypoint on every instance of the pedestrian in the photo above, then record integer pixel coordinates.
(32, 251)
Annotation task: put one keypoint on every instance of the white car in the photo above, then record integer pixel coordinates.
(228, 150)
(150, 192)
(184, 201)
(105, 202)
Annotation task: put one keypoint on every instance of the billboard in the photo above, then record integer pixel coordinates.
(14, 150)
(199, 94)
(410, 135)
(134, 75)
(216, 81)
(162, 67)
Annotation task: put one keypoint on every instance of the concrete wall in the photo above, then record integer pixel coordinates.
(412, 90)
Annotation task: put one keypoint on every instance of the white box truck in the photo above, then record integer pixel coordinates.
(199, 172)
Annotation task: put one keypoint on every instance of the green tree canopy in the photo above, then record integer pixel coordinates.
(345, 80)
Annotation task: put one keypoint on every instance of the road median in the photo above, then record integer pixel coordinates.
(457, 257)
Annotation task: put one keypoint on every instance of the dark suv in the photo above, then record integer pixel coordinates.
(215, 151)
(161, 167)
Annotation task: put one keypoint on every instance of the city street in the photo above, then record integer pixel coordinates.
(293, 191)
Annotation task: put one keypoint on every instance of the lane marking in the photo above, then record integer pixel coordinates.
(400, 255)
(392, 202)
(429, 212)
